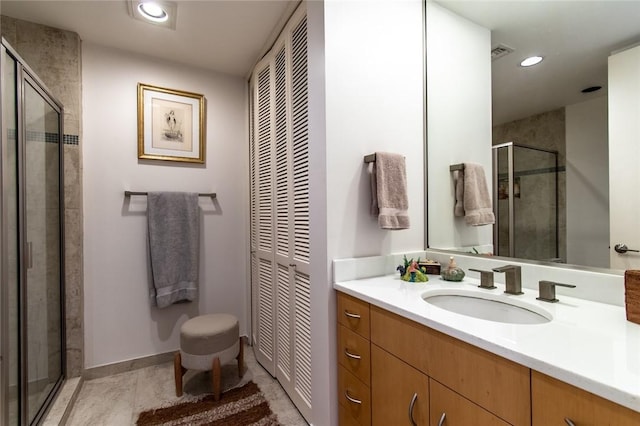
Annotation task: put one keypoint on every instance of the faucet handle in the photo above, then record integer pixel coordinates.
(506, 268)
(548, 290)
(486, 279)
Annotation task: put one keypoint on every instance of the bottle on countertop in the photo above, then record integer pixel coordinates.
(452, 272)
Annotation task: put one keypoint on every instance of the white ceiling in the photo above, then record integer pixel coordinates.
(229, 36)
(222, 35)
(575, 37)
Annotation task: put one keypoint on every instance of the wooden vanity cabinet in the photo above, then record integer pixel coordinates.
(554, 402)
(396, 358)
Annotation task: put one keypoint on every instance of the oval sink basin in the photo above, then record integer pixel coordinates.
(490, 307)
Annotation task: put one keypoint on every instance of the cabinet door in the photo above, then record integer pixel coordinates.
(555, 403)
(399, 392)
(450, 409)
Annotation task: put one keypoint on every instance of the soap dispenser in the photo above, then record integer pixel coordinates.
(452, 272)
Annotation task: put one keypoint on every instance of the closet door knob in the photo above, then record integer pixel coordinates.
(568, 421)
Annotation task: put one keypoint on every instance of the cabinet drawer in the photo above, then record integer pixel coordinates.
(401, 337)
(355, 397)
(458, 411)
(354, 314)
(554, 401)
(354, 354)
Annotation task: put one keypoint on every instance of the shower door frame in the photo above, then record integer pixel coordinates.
(24, 74)
(511, 208)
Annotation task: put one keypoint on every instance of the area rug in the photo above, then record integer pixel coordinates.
(241, 406)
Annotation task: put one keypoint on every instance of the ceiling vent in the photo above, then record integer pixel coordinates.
(500, 50)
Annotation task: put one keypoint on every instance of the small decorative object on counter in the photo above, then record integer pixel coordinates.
(632, 295)
(431, 267)
(452, 272)
(411, 271)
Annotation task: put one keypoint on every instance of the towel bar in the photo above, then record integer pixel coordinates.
(371, 158)
(130, 193)
(454, 167)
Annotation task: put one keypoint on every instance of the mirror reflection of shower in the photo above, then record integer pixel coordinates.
(526, 202)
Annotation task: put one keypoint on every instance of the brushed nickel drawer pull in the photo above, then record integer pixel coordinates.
(350, 315)
(411, 405)
(441, 422)
(355, 401)
(350, 355)
(568, 421)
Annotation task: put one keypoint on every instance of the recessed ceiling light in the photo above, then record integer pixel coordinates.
(530, 61)
(162, 13)
(153, 11)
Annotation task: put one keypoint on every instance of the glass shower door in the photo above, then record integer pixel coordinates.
(9, 319)
(526, 202)
(42, 245)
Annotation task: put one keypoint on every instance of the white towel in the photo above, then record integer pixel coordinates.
(477, 202)
(174, 232)
(389, 191)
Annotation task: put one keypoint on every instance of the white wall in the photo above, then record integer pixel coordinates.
(373, 87)
(119, 322)
(587, 171)
(459, 119)
(624, 155)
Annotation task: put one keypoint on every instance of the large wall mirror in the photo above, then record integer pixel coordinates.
(540, 133)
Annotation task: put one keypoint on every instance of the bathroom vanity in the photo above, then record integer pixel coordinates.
(402, 360)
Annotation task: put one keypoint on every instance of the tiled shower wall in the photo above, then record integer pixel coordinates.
(55, 56)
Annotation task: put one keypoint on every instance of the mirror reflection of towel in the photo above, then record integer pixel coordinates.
(478, 209)
(389, 191)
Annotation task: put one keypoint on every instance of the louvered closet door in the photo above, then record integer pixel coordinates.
(299, 205)
(263, 265)
(282, 322)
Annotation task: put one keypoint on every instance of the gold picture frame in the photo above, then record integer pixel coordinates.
(170, 124)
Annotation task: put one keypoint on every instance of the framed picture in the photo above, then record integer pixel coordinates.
(170, 125)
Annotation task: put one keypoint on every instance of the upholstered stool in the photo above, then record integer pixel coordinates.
(206, 343)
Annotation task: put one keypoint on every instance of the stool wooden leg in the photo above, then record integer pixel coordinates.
(178, 372)
(240, 359)
(215, 378)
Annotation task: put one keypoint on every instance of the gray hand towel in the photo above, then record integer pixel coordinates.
(391, 189)
(477, 203)
(174, 232)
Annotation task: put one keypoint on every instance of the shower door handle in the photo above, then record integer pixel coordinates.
(29, 255)
(622, 249)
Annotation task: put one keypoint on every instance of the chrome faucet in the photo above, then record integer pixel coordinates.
(513, 278)
(548, 290)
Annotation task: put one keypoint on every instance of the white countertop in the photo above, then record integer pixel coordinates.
(588, 344)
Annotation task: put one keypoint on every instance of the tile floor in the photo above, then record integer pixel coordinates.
(117, 400)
